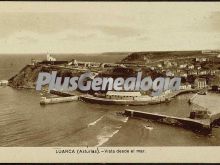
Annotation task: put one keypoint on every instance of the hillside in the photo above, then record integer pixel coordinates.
(145, 57)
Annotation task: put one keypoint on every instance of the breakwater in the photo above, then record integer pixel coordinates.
(45, 100)
(202, 126)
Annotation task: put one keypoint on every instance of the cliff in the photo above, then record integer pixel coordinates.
(27, 77)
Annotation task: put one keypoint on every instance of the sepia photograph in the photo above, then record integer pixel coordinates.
(109, 74)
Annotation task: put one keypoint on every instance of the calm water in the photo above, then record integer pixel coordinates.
(23, 122)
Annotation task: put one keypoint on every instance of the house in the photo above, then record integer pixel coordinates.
(122, 95)
(200, 59)
(190, 66)
(159, 65)
(181, 66)
(212, 72)
(202, 72)
(185, 86)
(200, 83)
(33, 61)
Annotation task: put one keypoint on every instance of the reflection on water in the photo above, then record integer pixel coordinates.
(23, 122)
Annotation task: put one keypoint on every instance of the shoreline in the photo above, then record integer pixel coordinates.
(98, 100)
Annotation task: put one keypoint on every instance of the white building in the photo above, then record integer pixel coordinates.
(122, 95)
(159, 65)
(73, 62)
(50, 58)
(3, 82)
(191, 66)
(183, 66)
(201, 59)
(185, 86)
(200, 83)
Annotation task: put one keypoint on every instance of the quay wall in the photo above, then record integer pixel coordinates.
(203, 126)
(98, 100)
(45, 100)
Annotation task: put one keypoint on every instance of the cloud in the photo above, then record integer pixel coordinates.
(38, 22)
(88, 27)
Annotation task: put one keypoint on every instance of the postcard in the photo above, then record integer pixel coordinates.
(109, 82)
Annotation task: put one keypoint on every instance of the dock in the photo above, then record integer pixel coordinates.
(56, 100)
(210, 103)
(202, 126)
(61, 93)
(136, 102)
(61, 97)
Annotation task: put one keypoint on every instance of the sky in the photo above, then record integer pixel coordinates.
(93, 27)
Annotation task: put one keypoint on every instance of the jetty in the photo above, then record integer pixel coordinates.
(61, 93)
(208, 103)
(61, 97)
(55, 100)
(202, 126)
(205, 113)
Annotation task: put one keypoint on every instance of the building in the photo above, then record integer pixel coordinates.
(212, 72)
(159, 65)
(50, 58)
(33, 61)
(182, 73)
(185, 86)
(169, 73)
(3, 82)
(73, 62)
(200, 59)
(181, 66)
(200, 83)
(190, 66)
(174, 64)
(167, 64)
(202, 72)
(118, 95)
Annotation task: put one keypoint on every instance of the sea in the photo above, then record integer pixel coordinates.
(26, 123)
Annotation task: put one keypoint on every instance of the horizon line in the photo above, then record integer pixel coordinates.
(55, 53)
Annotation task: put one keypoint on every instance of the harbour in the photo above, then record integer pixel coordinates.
(84, 119)
(65, 124)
